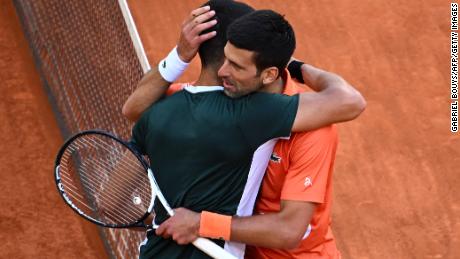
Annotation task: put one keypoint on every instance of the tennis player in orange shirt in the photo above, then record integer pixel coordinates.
(292, 216)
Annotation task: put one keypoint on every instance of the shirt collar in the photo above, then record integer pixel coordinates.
(202, 89)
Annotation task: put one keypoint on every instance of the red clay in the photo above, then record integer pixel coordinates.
(34, 222)
(396, 174)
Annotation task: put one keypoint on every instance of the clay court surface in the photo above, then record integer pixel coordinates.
(396, 174)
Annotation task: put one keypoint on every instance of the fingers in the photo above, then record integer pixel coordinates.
(205, 37)
(199, 20)
(160, 230)
(199, 11)
(163, 230)
(203, 26)
(204, 17)
(168, 230)
(182, 241)
(190, 38)
(183, 238)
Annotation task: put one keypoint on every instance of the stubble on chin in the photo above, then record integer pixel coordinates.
(231, 94)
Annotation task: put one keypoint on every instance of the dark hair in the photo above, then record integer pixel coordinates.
(212, 51)
(266, 33)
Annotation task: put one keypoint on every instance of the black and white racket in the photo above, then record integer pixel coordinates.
(106, 181)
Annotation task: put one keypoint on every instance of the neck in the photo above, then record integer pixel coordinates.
(208, 77)
(277, 87)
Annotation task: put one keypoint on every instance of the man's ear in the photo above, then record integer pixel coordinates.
(269, 75)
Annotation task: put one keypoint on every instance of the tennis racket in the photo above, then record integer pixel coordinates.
(106, 181)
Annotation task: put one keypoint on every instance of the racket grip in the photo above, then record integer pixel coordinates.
(212, 249)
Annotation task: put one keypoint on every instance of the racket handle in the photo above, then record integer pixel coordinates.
(212, 249)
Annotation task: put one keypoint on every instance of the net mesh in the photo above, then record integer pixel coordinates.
(89, 67)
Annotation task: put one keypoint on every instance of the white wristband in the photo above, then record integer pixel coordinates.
(172, 66)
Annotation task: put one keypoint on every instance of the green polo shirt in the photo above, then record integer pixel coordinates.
(200, 147)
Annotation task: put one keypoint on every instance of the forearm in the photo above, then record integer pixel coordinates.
(149, 90)
(267, 230)
(333, 101)
(283, 230)
(318, 79)
(349, 102)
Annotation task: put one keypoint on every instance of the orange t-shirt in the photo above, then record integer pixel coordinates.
(301, 169)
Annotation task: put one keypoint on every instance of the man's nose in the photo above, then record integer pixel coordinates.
(223, 70)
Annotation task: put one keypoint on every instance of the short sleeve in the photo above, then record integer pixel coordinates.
(266, 116)
(139, 132)
(311, 162)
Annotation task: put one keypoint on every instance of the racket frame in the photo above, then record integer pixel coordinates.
(68, 201)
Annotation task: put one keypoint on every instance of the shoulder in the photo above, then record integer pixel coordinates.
(328, 131)
(267, 101)
(267, 96)
(324, 135)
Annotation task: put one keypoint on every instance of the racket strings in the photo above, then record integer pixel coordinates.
(105, 180)
(132, 162)
(121, 174)
(98, 199)
(108, 201)
(79, 198)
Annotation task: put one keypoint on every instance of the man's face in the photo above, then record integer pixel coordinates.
(239, 73)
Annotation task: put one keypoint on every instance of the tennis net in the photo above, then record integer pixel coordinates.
(89, 66)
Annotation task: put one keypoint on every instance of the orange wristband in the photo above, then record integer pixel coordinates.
(215, 226)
